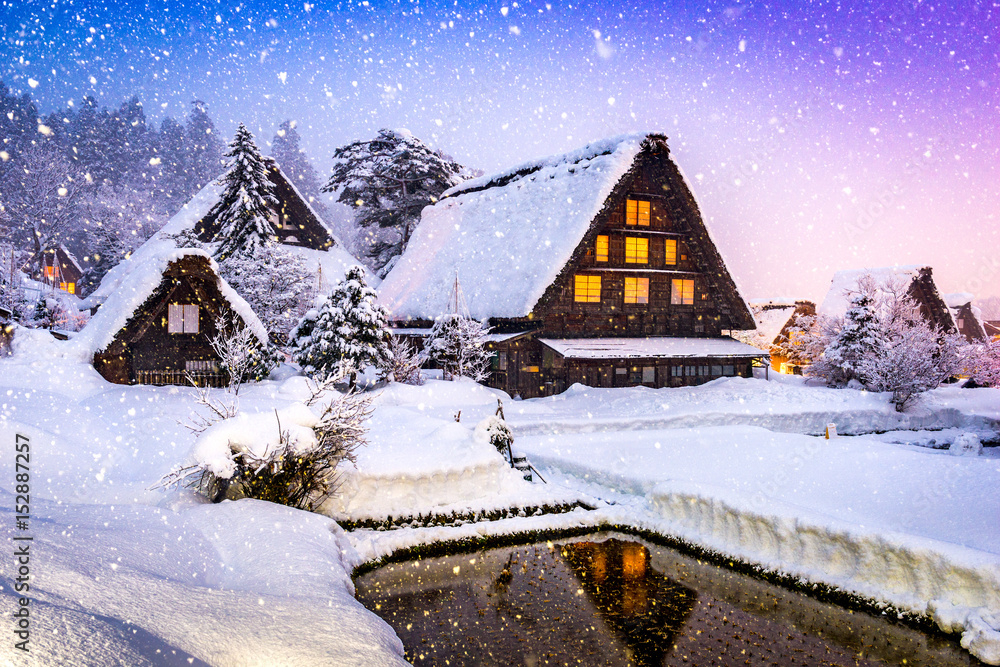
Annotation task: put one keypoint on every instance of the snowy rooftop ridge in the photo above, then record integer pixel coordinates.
(136, 287)
(508, 235)
(837, 301)
(653, 346)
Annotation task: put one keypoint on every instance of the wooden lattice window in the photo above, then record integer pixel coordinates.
(637, 212)
(601, 249)
(636, 250)
(682, 292)
(636, 290)
(182, 318)
(671, 256)
(587, 289)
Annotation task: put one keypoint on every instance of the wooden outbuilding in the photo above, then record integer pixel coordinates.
(157, 327)
(594, 266)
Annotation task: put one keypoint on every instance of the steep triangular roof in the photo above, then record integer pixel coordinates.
(510, 235)
(138, 285)
(921, 286)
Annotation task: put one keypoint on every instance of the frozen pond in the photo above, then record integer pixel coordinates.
(611, 599)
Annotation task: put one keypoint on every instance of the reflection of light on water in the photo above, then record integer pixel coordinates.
(616, 602)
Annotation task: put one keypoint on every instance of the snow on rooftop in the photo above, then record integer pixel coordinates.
(507, 235)
(137, 285)
(837, 300)
(660, 346)
(958, 299)
(771, 319)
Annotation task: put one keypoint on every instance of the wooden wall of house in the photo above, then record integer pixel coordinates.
(530, 369)
(655, 180)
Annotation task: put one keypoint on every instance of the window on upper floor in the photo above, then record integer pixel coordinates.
(182, 318)
(587, 289)
(637, 212)
(636, 290)
(682, 292)
(636, 250)
(671, 256)
(601, 249)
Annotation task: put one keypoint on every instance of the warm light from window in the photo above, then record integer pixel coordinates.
(68, 287)
(588, 289)
(636, 250)
(637, 290)
(671, 251)
(601, 250)
(637, 213)
(682, 292)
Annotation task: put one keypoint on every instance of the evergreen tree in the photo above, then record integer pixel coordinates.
(204, 145)
(243, 213)
(347, 332)
(458, 345)
(285, 149)
(856, 339)
(389, 180)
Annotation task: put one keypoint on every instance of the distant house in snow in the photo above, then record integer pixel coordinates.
(776, 318)
(59, 269)
(157, 326)
(594, 267)
(296, 223)
(920, 286)
(968, 318)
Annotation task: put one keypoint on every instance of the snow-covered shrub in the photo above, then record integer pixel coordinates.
(404, 363)
(345, 333)
(241, 355)
(966, 444)
(458, 345)
(495, 431)
(883, 344)
(985, 364)
(288, 456)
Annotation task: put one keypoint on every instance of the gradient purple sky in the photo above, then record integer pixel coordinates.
(817, 135)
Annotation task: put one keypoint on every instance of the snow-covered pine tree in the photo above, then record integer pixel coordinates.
(458, 345)
(244, 210)
(856, 338)
(389, 180)
(285, 149)
(345, 333)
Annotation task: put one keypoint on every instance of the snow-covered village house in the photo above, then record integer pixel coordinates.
(59, 269)
(158, 324)
(968, 318)
(777, 321)
(594, 267)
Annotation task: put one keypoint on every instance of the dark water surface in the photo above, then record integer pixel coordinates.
(616, 600)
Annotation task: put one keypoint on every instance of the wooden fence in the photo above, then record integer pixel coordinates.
(186, 378)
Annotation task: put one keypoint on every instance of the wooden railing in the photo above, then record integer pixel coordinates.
(200, 378)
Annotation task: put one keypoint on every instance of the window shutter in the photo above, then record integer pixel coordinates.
(191, 319)
(175, 318)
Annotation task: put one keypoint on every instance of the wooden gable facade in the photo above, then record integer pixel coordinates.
(644, 299)
(60, 269)
(968, 324)
(294, 221)
(169, 336)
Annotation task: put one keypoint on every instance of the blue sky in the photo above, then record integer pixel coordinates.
(817, 136)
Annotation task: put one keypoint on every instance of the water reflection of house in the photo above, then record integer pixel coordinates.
(594, 267)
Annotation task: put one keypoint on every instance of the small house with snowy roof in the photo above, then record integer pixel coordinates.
(776, 321)
(157, 326)
(594, 267)
(968, 318)
(59, 268)
(920, 287)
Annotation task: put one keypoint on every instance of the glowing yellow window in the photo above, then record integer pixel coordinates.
(68, 287)
(601, 249)
(637, 212)
(636, 250)
(588, 289)
(682, 292)
(50, 271)
(671, 251)
(637, 290)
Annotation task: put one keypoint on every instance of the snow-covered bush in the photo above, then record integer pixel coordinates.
(985, 364)
(404, 363)
(242, 356)
(883, 344)
(288, 456)
(966, 444)
(458, 345)
(345, 333)
(495, 431)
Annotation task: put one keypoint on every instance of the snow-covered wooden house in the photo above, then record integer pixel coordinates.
(59, 268)
(157, 326)
(594, 267)
(968, 318)
(776, 319)
(919, 281)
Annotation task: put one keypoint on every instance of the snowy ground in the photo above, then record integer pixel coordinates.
(731, 466)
